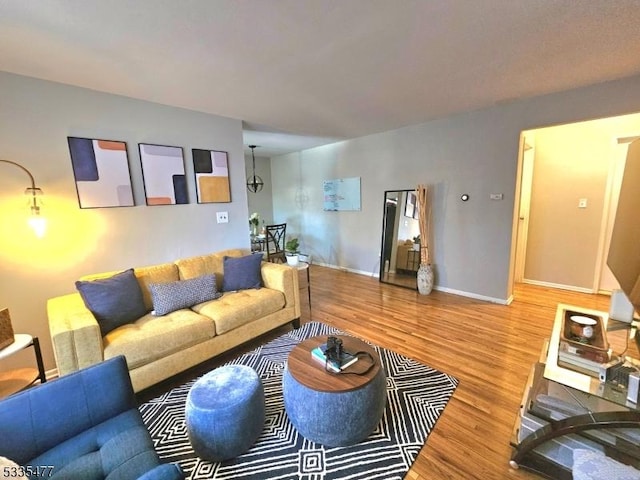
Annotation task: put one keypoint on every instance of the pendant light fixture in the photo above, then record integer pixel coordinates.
(254, 182)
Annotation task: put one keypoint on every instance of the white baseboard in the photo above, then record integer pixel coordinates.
(558, 285)
(500, 301)
(350, 270)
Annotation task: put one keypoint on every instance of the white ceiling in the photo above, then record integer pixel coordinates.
(316, 71)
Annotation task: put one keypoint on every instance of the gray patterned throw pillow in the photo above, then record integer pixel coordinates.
(172, 296)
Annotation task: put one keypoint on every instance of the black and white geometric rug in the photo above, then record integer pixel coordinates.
(416, 396)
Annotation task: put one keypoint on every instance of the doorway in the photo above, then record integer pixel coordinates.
(566, 192)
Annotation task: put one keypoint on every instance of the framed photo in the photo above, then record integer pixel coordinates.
(101, 172)
(165, 182)
(410, 205)
(211, 169)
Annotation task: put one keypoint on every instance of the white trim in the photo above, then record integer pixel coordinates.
(500, 301)
(558, 285)
(350, 270)
(461, 293)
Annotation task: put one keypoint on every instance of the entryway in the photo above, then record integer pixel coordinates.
(569, 182)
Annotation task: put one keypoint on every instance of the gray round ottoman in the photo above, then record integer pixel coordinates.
(333, 410)
(225, 412)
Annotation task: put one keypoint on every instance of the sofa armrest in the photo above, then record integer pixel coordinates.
(284, 279)
(75, 334)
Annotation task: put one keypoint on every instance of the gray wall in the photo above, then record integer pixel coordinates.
(35, 119)
(474, 153)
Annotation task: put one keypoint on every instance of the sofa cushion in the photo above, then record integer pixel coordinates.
(241, 273)
(151, 337)
(114, 301)
(162, 273)
(204, 264)
(119, 445)
(234, 309)
(172, 296)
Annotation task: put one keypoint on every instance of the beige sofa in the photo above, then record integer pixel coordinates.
(158, 347)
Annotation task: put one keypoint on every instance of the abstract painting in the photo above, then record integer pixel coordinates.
(101, 172)
(163, 171)
(211, 168)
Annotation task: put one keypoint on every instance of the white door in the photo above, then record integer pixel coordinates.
(607, 281)
(528, 156)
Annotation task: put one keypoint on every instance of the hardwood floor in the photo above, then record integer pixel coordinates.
(489, 348)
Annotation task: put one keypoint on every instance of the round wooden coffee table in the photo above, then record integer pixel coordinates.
(334, 409)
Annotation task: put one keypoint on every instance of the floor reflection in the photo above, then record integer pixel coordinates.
(400, 279)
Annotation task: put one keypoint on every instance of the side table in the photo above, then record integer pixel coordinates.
(334, 409)
(305, 266)
(13, 381)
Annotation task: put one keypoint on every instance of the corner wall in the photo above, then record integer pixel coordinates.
(36, 117)
(474, 153)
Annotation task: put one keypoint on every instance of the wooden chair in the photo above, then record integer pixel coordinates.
(275, 243)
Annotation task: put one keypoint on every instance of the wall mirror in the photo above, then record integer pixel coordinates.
(400, 255)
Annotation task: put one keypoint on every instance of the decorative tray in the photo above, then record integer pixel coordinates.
(595, 348)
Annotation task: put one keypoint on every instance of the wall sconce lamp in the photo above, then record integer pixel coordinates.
(36, 221)
(254, 183)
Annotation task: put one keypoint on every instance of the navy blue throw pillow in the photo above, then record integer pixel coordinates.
(241, 273)
(114, 301)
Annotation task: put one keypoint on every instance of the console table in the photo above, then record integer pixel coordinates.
(13, 381)
(563, 409)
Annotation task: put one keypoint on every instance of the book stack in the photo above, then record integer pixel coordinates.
(346, 359)
(583, 360)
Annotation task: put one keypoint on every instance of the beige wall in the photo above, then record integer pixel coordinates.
(35, 119)
(571, 162)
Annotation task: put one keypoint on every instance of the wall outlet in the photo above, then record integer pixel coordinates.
(582, 203)
(222, 217)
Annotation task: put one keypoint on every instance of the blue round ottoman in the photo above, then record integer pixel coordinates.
(225, 412)
(333, 410)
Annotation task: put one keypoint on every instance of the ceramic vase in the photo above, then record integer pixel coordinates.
(425, 278)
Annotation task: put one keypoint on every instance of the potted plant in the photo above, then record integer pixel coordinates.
(254, 221)
(291, 251)
(416, 243)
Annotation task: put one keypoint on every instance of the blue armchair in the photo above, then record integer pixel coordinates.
(84, 425)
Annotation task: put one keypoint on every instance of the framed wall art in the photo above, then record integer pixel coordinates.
(101, 172)
(211, 169)
(410, 205)
(165, 182)
(341, 194)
